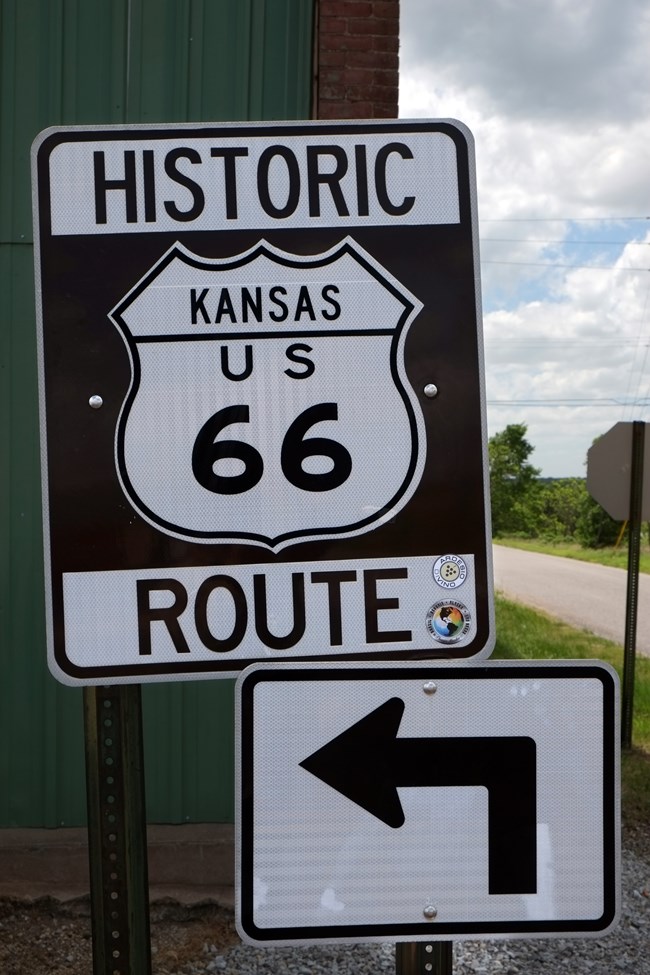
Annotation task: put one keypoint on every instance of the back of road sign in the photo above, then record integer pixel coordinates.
(262, 396)
(609, 472)
(406, 803)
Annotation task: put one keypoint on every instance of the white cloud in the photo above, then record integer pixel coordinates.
(587, 343)
(534, 59)
(557, 95)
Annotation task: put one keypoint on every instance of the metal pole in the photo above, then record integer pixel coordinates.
(117, 838)
(636, 497)
(424, 958)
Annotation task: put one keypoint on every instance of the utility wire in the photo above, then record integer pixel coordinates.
(586, 267)
(627, 402)
(559, 219)
(572, 403)
(555, 240)
(639, 347)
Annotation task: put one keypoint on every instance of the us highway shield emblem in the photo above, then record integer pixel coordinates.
(269, 401)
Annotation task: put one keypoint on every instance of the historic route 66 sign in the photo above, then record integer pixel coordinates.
(262, 398)
(215, 344)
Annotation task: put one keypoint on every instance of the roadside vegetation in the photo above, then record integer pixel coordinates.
(615, 556)
(558, 517)
(553, 511)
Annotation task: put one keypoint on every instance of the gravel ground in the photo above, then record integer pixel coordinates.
(50, 938)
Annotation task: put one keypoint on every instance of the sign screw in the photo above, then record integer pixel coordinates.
(430, 912)
(430, 687)
(430, 390)
(95, 402)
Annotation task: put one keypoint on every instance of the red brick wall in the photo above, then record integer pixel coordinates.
(357, 59)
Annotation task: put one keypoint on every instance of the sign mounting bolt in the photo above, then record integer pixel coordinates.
(96, 402)
(430, 912)
(430, 687)
(430, 390)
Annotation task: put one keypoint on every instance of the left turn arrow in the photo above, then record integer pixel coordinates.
(367, 763)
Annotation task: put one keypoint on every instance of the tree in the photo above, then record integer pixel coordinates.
(512, 479)
(557, 507)
(595, 529)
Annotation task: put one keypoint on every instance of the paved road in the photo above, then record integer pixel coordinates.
(588, 596)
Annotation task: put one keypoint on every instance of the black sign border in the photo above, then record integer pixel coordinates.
(427, 930)
(43, 146)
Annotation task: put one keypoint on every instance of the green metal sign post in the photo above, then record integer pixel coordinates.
(629, 659)
(617, 480)
(117, 839)
(422, 958)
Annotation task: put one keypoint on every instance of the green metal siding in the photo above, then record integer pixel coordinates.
(90, 62)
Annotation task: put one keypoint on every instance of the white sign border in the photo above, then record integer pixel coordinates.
(58, 663)
(427, 930)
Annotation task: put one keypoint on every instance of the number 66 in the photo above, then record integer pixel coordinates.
(296, 448)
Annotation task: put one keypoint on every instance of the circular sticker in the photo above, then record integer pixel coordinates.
(449, 571)
(448, 621)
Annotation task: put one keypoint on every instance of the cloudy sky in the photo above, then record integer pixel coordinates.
(557, 95)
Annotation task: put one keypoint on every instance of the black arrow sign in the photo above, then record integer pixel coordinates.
(368, 762)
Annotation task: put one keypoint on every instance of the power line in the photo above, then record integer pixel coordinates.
(559, 219)
(645, 355)
(572, 403)
(627, 403)
(552, 240)
(585, 267)
(562, 344)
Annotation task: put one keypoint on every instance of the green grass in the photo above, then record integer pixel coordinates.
(525, 634)
(610, 555)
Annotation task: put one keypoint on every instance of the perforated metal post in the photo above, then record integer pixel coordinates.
(424, 958)
(629, 660)
(117, 840)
